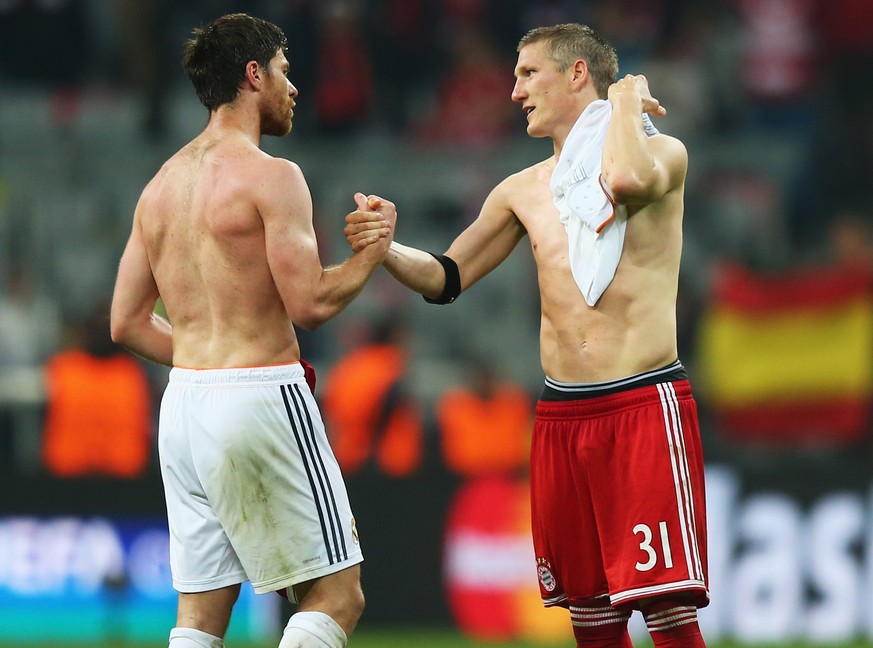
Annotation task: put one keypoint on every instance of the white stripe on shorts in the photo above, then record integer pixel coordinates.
(681, 478)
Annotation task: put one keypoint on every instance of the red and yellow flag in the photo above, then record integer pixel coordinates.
(790, 357)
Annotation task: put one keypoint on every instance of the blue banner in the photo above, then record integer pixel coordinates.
(101, 579)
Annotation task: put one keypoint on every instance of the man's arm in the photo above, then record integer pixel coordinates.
(313, 294)
(133, 322)
(476, 251)
(416, 269)
(639, 170)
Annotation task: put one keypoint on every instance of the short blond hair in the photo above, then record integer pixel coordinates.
(570, 42)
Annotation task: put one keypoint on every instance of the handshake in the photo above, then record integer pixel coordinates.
(372, 223)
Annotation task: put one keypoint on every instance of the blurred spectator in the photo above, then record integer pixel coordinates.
(680, 72)
(485, 425)
(99, 408)
(29, 333)
(344, 80)
(632, 26)
(44, 42)
(472, 106)
(29, 322)
(744, 218)
(58, 59)
(845, 130)
(552, 12)
(372, 422)
(142, 24)
(406, 54)
(780, 61)
(851, 240)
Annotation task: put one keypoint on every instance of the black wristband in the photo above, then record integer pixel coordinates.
(453, 281)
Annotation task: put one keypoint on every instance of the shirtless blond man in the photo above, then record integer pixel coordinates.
(223, 235)
(616, 466)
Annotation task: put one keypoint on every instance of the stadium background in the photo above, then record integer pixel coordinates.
(410, 99)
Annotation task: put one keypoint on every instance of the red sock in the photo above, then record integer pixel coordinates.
(596, 624)
(673, 625)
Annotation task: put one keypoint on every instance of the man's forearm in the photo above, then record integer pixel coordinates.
(415, 269)
(627, 159)
(152, 340)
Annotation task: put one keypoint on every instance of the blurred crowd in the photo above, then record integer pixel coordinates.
(773, 98)
(437, 69)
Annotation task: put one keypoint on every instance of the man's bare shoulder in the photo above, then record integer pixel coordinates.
(532, 179)
(277, 175)
(236, 152)
(534, 174)
(671, 148)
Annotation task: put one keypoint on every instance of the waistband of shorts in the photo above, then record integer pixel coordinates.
(283, 373)
(665, 393)
(555, 390)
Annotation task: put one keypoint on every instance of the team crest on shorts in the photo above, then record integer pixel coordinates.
(546, 576)
(355, 538)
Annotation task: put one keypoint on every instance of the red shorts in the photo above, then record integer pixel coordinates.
(617, 497)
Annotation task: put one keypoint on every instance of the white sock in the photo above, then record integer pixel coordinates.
(192, 638)
(312, 629)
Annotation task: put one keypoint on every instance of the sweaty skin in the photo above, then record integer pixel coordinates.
(632, 328)
(223, 234)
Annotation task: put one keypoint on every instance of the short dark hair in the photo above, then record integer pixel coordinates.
(570, 42)
(215, 59)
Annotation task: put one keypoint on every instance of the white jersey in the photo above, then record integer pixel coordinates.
(252, 486)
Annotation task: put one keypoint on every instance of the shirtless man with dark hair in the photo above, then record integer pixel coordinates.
(223, 235)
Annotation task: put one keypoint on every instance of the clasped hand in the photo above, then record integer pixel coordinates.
(371, 223)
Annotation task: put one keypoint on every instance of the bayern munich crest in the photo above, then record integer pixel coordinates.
(544, 572)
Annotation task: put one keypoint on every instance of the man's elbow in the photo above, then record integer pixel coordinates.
(120, 329)
(313, 317)
(623, 185)
(632, 189)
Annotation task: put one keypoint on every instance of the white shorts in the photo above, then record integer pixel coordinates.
(252, 486)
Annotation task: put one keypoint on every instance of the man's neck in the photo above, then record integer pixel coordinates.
(236, 118)
(561, 134)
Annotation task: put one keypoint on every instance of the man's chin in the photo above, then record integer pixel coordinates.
(278, 130)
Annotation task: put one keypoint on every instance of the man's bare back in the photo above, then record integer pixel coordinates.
(223, 234)
(206, 240)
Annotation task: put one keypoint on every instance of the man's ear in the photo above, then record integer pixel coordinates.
(580, 73)
(254, 74)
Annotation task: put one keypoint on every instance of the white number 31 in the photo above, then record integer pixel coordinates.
(646, 546)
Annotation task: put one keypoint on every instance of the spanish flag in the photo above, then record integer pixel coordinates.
(789, 358)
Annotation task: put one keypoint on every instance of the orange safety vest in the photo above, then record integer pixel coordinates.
(482, 436)
(98, 416)
(367, 415)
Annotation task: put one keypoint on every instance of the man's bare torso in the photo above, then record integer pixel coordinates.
(206, 245)
(632, 328)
